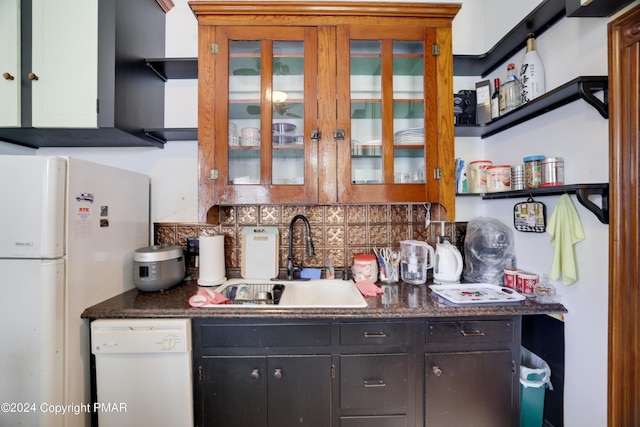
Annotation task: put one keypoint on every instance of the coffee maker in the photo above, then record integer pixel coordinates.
(488, 250)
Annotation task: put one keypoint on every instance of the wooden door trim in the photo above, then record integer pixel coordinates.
(624, 231)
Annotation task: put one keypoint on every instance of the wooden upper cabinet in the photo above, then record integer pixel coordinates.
(324, 103)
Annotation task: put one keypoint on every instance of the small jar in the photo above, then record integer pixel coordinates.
(532, 171)
(552, 172)
(365, 267)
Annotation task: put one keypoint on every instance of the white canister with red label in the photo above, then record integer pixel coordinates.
(498, 178)
(365, 267)
(510, 277)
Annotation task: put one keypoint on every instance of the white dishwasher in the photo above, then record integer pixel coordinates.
(143, 372)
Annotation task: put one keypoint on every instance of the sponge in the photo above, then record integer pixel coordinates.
(310, 273)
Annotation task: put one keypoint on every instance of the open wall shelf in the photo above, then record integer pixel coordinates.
(583, 87)
(583, 193)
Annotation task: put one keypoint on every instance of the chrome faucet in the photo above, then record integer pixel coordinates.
(310, 251)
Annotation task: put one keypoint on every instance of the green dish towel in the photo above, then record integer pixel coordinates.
(566, 230)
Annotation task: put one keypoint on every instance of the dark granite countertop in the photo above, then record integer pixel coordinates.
(398, 301)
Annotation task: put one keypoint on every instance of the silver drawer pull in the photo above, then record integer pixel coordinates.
(374, 383)
(375, 335)
(255, 374)
(436, 371)
(475, 333)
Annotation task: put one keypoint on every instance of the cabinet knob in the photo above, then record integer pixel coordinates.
(277, 373)
(7, 76)
(436, 371)
(32, 76)
(255, 374)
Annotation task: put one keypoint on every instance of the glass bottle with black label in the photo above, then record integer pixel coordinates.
(495, 100)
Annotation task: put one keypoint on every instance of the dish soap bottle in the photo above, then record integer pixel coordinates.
(330, 272)
(532, 72)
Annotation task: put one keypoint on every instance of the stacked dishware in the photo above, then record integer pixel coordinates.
(234, 139)
(250, 137)
(283, 133)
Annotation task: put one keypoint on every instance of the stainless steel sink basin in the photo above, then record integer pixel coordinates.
(320, 293)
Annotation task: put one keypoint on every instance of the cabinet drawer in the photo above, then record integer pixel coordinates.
(266, 335)
(470, 332)
(376, 382)
(373, 333)
(374, 421)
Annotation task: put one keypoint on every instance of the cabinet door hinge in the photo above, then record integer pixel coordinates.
(214, 48)
(333, 371)
(437, 173)
(435, 49)
(213, 174)
(200, 374)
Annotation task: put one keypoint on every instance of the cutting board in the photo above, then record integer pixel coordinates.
(259, 252)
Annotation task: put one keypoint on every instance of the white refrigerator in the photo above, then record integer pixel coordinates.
(68, 231)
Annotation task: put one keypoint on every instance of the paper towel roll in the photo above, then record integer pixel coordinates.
(212, 271)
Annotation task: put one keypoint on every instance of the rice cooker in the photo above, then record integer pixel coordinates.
(158, 267)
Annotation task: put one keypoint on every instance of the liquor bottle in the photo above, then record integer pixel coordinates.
(532, 72)
(495, 100)
(510, 91)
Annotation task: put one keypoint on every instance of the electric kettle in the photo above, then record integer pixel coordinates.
(415, 258)
(447, 266)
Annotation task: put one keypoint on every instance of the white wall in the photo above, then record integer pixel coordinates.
(576, 132)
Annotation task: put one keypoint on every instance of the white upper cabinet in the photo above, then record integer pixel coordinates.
(10, 62)
(65, 63)
(79, 74)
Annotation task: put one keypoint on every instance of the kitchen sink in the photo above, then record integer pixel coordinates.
(261, 293)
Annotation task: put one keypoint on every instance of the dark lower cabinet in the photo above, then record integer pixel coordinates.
(266, 391)
(244, 381)
(234, 391)
(469, 389)
(374, 373)
(471, 372)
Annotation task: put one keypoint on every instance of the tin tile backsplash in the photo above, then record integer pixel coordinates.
(342, 231)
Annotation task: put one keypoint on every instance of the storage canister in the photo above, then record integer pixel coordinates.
(365, 267)
(498, 178)
(517, 177)
(477, 176)
(525, 282)
(533, 171)
(552, 171)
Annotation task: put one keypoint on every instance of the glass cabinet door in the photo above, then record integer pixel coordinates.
(386, 125)
(268, 132)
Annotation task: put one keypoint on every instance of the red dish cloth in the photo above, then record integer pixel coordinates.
(368, 288)
(206, 297)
